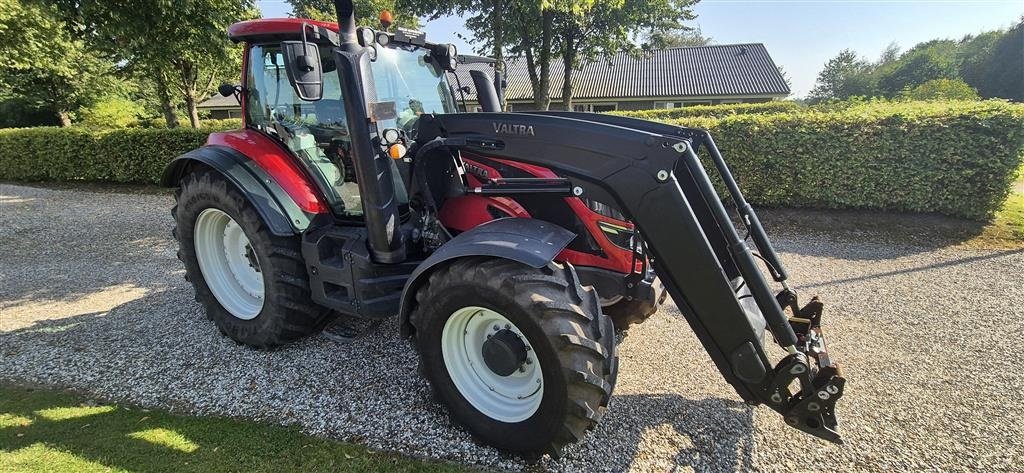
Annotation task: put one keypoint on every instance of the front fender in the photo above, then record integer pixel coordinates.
(279, 212)
(529, 241)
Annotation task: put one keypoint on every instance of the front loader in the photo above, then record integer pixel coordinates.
(357, 191)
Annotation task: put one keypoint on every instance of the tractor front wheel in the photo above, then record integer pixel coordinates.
(253, 284)
(522, 357)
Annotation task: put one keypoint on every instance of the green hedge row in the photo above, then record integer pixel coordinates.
(955, 158)
(135, 155)
(715, 111)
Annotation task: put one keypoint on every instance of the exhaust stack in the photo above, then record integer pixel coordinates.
(485, 92)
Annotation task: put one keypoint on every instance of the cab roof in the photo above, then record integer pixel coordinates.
(274, 28)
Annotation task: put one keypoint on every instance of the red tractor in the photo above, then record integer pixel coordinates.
(510, 245)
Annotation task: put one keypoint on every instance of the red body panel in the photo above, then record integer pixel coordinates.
(275, 161)
(264, 26)
(463, 213)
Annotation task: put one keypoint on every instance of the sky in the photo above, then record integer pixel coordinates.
(802, 35)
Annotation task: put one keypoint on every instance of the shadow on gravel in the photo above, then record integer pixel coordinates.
(915, 269)
(710, 434)
(891, 235)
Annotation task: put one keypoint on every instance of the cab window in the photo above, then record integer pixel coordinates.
(315, 132)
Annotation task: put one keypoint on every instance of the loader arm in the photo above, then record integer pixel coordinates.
(653, 174)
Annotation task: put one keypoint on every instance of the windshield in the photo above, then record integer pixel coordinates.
(407, 76)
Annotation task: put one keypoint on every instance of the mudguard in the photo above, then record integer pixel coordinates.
(529, 241)
(280, 213)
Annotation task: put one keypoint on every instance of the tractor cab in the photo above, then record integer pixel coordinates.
(291, 91)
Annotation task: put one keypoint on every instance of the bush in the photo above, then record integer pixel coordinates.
(136, 155)
(955, 158)
(941, 89)
(220, 124)
(712, 110)
(113, 112)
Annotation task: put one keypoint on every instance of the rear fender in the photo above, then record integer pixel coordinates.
(281, 214)
(529, 241)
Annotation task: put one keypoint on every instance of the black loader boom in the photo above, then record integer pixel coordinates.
(653, 173)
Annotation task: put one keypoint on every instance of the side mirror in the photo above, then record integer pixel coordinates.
(226, 89)
(302, 63)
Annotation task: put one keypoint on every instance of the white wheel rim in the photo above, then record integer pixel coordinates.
(512, 398)
(229, 264)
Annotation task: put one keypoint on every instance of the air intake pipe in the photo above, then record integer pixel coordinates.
(374, 170)
(485, 92)
(346, 21)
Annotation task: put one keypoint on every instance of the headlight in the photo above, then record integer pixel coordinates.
(620, 236)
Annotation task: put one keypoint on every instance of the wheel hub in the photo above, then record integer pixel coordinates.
(492, 364)
(504, 352)
(229, 264)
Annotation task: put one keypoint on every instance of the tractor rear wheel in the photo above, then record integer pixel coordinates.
(252, 283)
(522, 357)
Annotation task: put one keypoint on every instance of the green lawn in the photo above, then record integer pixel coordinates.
(44, 430)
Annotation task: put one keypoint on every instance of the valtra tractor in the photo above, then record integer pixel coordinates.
(509, 245)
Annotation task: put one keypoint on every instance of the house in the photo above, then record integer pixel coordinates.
(221, 107)
(665, 78)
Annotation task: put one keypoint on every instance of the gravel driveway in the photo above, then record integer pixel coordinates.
(92, 298)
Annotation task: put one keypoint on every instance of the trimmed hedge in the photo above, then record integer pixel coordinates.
(955, 158)
(134, 155)
(714, 111)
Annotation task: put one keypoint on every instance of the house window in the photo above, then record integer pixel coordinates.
(730, 101)
(595, 107)
(681, 103)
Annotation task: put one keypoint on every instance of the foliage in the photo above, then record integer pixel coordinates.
(678, 38)
(42, 63)
(588, 29)
(43, 430)
(922, 63)
(75, 153)
(574, 31)
(18, 112)
(941, 89)
(991, 62)
(954, 158)
(844, 76)
(180, 47)
(112, 112)
(713, 111)
(367, 11)
(1004, 69)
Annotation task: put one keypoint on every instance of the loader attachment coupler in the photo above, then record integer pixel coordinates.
(812, 408)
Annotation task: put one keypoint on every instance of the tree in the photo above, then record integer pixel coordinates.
(588, 29)
(927, 61)
(367, 11)
(972, 56)
(1004, 69)
(941, 89)
(43, 64)
(677, 38)
(844, 76)
(182, 45)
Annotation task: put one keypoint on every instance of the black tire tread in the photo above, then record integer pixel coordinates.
(288, 313)
(569, 314)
